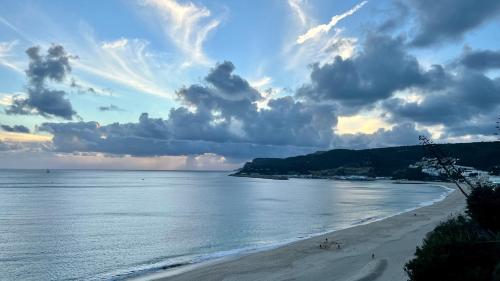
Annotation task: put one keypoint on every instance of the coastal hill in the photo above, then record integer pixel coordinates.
(378, 162)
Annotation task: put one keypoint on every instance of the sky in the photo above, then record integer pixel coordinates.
(209, 85)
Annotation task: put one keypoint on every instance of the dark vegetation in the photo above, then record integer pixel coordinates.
(379, 162)
(466, 247)
(483, 206)
(463, 248)
(457, 249)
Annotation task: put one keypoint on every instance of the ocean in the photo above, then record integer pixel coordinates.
(112, 225)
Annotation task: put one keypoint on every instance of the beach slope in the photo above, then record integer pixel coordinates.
(391, 241)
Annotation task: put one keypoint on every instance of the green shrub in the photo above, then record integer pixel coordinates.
(483, 206)
(456, 250)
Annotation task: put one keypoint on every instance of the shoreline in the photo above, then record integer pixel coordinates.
(286, 261)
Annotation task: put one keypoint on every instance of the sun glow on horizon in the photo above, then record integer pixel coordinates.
(22, 137)
(364, 124)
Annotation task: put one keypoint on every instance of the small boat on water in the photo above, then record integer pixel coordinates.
(48, 171)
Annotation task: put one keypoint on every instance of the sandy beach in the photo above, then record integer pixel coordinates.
(392, 241)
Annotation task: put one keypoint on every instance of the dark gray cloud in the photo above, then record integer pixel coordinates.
(80, 88)
(222, 118)
(54, 66)
(229, 85)
(484, 126)
(15, 128)
(397, 16)
(221, 114)
(382, 67)
(481, 59)
(444, 20)
(467, 95)
(90, 137)
(452, 95)
(226, 110)
(111, 107)
(292, 122)
(405, 133)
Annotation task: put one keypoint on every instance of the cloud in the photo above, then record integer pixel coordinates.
(137, 139)
(83, 87)
(481, 59)
(324, 28)
(7, 99)
(397, 16)
(382, 67)
(446, 20)
(382, 75)
(220, 116)
(9, 146)
(21, 159)
(15, 129)
(298, 8)
(120, 43)
(29, 147)
(483, 126)
(465, 97)
(5, 50)
(111, 107)
(15, 29)
(187, 25)
(127, 62)
(322, 48)
(31, 159)
(405, 133)
(321, 51)
(54, 66)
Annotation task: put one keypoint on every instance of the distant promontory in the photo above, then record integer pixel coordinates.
(391, 162)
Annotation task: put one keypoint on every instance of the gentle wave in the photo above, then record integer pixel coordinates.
(165, 265)
(102, 225)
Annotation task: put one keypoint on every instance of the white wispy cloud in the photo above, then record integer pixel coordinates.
(126, 62)
(12, 27)
(120, 43)
(298, 8)
(261, 82)
(316, 31)
(5, 50)
(323, 50)
(316, 44)
(187, 25)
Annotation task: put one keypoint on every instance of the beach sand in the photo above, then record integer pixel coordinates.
(392, 241)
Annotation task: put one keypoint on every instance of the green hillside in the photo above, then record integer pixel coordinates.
(382, 162)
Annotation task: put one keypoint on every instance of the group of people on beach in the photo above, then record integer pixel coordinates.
(326, 245)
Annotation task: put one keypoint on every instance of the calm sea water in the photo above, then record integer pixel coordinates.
(101, 225)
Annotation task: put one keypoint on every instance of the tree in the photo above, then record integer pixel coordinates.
(457, 249)
(446, 164)
(483, 206)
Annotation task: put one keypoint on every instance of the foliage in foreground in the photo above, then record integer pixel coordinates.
(483, 206)
(458, 250)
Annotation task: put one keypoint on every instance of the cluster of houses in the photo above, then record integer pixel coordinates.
(432, 167)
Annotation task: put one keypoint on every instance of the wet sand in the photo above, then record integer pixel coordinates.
(392, 242)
